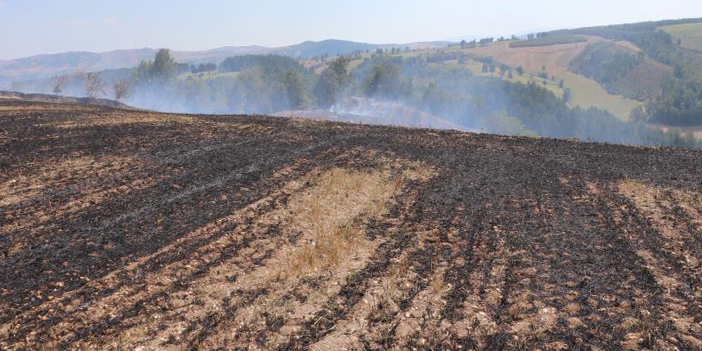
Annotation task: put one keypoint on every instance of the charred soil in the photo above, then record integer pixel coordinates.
(124, 229)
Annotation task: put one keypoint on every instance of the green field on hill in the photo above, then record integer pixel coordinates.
(689, 35)
(588, 93)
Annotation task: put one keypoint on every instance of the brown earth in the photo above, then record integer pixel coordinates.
(133, 230)
(556, 58)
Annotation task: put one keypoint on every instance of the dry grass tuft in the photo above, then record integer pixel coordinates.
(328, 248)
(437, 282)
(338, 193)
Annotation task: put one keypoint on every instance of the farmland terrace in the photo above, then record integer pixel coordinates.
(127, 229)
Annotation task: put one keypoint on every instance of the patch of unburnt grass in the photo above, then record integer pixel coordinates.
(332, 218)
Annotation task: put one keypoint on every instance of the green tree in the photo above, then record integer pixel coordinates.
(164, 67)
(520, 70)
(561, 84)
(332, 80)
(567, 95)
(340, 67)
(161, 70)
(121, 89)
(384, 80)
(638, 114)
(294, 89)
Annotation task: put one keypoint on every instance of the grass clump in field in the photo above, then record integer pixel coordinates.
(328, 248)
(335, 207)
(329, 211)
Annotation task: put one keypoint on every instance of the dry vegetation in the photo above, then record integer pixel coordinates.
(556, 58)
(143, 231)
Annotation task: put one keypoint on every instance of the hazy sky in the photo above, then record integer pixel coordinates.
(31, 27)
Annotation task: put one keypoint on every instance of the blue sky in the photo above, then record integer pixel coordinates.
(33, 27)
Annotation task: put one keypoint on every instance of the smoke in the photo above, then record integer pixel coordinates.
(371, 111)
(433, 90)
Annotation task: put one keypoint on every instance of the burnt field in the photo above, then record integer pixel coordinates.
(131, 230)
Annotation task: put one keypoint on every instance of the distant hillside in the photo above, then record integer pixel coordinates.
(47, 65)
(310, 49)
(671, 43)
(42, 66)
(622, 70)
(687, 35)
(549, 40)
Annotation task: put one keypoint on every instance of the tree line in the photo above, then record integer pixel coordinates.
(268, 84)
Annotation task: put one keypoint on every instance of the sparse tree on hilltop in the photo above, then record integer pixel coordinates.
(121, 90)
(61, 82)
(94, 85)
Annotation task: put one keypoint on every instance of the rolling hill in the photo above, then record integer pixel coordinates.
(553, 60)
(47, 65)
(688, 35)
(42, 66)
